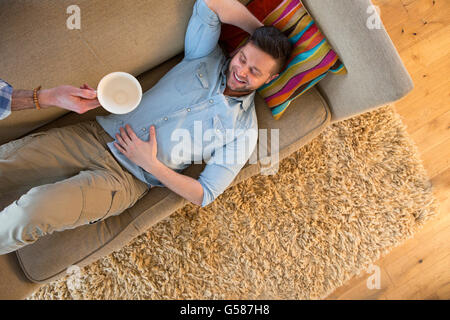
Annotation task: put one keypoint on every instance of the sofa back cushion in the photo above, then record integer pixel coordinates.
(38, 48)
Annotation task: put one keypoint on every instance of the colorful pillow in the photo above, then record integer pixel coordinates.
(311, 59)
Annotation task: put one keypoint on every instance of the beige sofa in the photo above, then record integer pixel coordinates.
(146, 39)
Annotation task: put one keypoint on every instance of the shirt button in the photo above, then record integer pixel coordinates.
(211, 101)
(165, 118)
(188, 109)
(200, 75)
(143, 129)
(217, 130)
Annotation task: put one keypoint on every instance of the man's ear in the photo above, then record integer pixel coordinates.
(271, 78)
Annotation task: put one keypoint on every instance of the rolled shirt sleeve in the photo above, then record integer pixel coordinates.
(203, 32)
(5, 99)
(219, 173)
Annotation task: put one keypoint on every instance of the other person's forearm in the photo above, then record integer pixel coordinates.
(67, 97)
(235, 13)
(185, 186)
(23, 99)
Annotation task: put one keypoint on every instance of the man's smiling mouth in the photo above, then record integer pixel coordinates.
(238, 79)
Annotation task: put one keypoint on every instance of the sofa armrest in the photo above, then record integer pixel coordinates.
(376, 74)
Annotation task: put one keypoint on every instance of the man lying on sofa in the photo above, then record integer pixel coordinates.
(79, 174)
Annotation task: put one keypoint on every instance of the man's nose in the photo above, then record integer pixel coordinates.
(243, 73)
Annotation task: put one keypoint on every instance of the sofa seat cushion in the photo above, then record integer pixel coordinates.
(13, 283)
(48, 258)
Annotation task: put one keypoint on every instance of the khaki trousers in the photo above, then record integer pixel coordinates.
(60, 179)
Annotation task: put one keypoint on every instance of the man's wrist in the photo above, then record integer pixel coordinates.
(153, 166)
(235, 13)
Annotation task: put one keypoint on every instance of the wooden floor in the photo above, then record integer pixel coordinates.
(420, 268)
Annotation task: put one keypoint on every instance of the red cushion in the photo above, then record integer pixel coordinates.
(231, 36)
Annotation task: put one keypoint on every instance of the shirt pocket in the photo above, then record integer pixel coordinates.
(192, 79)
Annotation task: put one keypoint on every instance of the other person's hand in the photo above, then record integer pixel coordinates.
(79, 100)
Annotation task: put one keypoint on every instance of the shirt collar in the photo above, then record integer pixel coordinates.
(246, 101)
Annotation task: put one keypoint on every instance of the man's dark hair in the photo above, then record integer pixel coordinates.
(273, 42)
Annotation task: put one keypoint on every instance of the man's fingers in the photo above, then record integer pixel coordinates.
(122, 150)
(124, 135)
(152, 133)
(130, 132)
(119, 138)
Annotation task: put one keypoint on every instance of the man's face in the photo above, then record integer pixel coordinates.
(249, 69)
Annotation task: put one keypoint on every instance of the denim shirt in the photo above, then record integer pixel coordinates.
(190, 96)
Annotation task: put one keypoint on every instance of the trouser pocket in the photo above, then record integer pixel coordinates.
(99, 204)
(11, 147)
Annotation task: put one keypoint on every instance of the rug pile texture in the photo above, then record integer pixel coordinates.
(335, 206)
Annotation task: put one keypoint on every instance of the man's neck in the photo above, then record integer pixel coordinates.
(232, 93)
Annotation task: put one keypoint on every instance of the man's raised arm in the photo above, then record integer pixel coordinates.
(235, 13)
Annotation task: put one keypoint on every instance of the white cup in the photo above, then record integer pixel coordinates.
(119, 92)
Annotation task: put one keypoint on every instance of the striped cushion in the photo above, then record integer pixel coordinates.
(311, 59)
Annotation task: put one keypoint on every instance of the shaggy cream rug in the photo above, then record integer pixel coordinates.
(334, 207)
